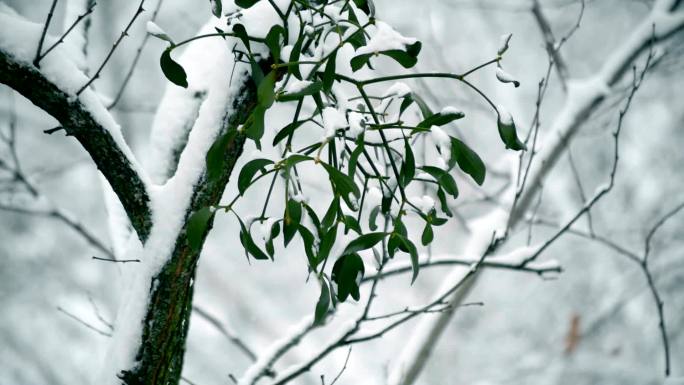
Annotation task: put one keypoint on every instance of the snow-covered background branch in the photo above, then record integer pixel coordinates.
(587, 310)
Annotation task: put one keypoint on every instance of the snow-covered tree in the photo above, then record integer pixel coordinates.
(303, 109)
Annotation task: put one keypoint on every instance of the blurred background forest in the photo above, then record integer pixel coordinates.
(595, 323)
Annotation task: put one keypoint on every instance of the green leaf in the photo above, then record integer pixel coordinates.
(440, 119)
(216, 7)
(406, 245)
(347, 272)
(313, 216)
(342, 184)
(358, 38)
(172, 70)
(241, 33)
(323, 304)
(331, 214)
(467, 160)
(294, 57)
(443, 178)
(351, 223)
(327, 242)
(197, 225)
(354, 157)
(329, 72)
(274, 41)
(386, 203)
(275, 230)
(248, 243)
(357, 62)
(366, 6)
(424, 108)
(255, 126)
(294, 159)
(372, 218)
(310, 89)
(308, 240)
(248, 171)
(428, 235)
(509, 134)
(407, 58)
(245, 3)
(265, 92)
(363, 242)
(286, 131)
(408, 167)
(443, 202)
(291, 220)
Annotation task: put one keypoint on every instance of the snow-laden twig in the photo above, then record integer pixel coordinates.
(582, 99)
(53, 89)
(605, 189)
(539, 268)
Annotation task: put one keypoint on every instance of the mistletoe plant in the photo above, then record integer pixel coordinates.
(309, 55)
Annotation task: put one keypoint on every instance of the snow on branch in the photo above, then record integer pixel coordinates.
(584, 97)
(53, 88)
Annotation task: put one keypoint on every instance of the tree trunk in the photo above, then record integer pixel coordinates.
(159, 359)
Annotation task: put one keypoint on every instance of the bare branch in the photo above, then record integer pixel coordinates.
(232, 337)
(82, 322)
(116, 44)
(36, 60)
(446, 260)
(343, 367)
(550, 42)
(117, 260)
(73, 25)
(114, 162)
(134, 63)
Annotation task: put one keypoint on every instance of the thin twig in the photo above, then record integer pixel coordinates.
(64, 35)
(116, 260)
(580, 187)
(36, 60)
(134, 63)
(225, 332)
(99, 316)
(636, 84)
(82, 322)
(116, 44)
(346, 360)
(651, 284)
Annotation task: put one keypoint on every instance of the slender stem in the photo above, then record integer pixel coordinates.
(134, 64)
(73, 25)
(217, 34)
(116, 44)
(36, 60)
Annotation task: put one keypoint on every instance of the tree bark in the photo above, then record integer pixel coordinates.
(78, 122)
(160, 357)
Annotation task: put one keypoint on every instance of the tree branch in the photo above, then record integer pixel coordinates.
(82, 124)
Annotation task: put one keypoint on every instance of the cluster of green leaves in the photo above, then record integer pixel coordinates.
(351, 161)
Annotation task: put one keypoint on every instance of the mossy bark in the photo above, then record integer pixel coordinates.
(160, 357)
